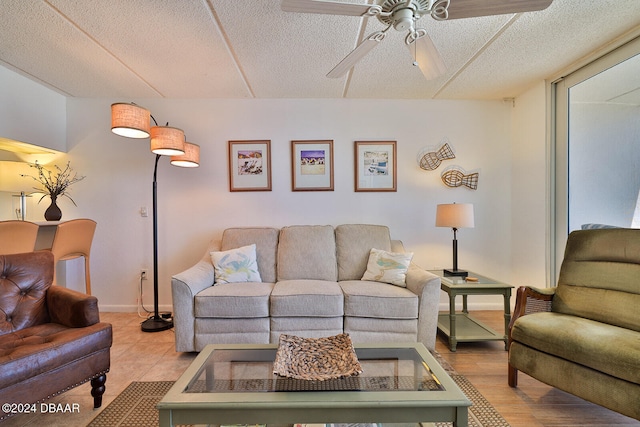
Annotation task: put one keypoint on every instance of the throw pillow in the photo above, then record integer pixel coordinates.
(236, 265)
(388, 267)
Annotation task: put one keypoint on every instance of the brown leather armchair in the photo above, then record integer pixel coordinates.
(51, 337)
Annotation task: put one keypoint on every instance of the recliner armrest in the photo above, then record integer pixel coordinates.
(531, 300)
(72, 308)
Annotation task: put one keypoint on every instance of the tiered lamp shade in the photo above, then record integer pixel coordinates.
(167, 141)
(190, 158)
(130, 120)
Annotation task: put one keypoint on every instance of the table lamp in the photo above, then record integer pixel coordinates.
(455, 215)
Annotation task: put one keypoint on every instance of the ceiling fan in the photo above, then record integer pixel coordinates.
(402, 15)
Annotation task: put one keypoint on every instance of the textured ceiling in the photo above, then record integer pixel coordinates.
(252, 49)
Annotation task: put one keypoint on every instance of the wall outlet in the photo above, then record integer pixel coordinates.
(144, 274)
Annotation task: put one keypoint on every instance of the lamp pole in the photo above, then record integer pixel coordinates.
(156, 323)
(455, 249)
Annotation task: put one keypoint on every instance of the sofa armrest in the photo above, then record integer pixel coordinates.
(72, 308)
(427, 286)
(184, 287)
(531, 300)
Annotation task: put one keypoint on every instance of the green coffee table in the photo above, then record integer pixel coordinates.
(462, 327)
(235, 384)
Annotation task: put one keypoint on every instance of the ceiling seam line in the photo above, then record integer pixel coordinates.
(480, 51)
(227, 44)
(73, 24)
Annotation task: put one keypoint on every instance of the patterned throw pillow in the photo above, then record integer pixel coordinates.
(236, 265)
(388, 267)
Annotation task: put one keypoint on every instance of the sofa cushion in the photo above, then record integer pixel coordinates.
(388, 267)
(362, 329)
(602, 305)
(236, 265)
(234, 300)
(307, 252)
(381, 300)
(43, 348)
(266, 241)
(306, 298)
(599, 277)
(353, 244)
(605, 348)
(308, 327)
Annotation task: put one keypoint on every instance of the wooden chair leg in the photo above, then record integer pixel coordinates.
(513, 376)
(87, 275)
(97, 390)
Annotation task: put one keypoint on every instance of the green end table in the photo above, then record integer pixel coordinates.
(461, 327)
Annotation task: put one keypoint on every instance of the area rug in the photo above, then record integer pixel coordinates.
(136, 405)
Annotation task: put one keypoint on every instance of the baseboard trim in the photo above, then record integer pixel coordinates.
(130, 308)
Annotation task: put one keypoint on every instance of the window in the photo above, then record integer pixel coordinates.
(597, 146)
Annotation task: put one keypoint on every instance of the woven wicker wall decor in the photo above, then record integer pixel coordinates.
(430, 160)
(455, 176)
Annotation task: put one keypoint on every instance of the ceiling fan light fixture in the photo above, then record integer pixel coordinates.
(402, 15)
(403, 19)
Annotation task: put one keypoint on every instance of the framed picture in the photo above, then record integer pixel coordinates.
(250, 165)
(312, 165)
(375, 166)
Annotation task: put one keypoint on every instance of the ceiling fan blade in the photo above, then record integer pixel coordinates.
(427, 57)
(328, 7)
(356, 54)
(471, 8)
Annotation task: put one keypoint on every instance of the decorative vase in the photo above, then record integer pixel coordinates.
(53, 212)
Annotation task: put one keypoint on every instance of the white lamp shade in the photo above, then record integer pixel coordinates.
(190, 158)
(130, 120)
(167, 141)
(455, 215)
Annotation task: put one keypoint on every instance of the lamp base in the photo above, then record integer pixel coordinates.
(456, 273)
(156, 324)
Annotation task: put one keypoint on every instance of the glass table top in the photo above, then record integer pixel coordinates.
(242, 370)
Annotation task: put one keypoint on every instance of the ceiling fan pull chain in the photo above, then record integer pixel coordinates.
(440, 10)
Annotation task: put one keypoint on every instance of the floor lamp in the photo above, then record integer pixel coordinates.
(133, 121)
(455, 215)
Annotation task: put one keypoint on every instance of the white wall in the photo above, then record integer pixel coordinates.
(195, 205)
(529, 189)
(30, 112)
(505, 144)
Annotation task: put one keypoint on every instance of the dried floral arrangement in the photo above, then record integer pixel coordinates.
(55, 183)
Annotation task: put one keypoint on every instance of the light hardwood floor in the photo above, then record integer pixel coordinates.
(140, 356)
(532, 403)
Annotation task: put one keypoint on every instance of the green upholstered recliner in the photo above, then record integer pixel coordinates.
(583, 336)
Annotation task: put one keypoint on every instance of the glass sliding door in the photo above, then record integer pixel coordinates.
(597, 146)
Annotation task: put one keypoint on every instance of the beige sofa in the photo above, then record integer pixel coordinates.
(310, 285)
(583, 336)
